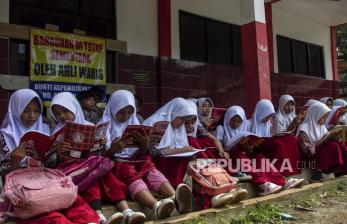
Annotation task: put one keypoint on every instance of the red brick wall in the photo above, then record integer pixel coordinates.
(127, 65)
(224, 84)
(176, 78)
(302, 88)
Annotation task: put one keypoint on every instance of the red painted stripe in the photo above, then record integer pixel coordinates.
(268, 16)
(164, 28)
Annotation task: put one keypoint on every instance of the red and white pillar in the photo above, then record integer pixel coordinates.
(164, 28)
(255, 53)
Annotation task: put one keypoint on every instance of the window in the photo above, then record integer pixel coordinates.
(207, 40)
(19, 57)
(300, 57)
(97, 18)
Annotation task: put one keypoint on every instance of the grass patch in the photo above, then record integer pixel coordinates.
(267, 213)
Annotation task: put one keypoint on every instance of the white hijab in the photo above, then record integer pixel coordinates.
(200, 103)
(117, 101)
(325, 99)
(12, 127)
(172, 138)
(195, 108)
(230, 133)
(263, 109)
(69, 101)
(310, 102)
(310, 124)
(340, 102)
(283, 120)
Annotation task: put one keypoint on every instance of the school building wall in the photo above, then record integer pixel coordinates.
(296, 27)
(137, 25)
(169, 77)
(301, 87)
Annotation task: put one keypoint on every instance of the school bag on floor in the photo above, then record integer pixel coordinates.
(211, 178)
(35, 191)
(86, 173)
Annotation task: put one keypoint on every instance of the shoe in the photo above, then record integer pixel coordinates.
(293, 183)
(116, 218)
(184, 199)
(132, 217)
(163, 208)
(269, 188)
(222, 199)
(316, 177)
(328, 176)
(239, 194)
(243, 177)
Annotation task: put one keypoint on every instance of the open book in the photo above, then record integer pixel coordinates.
(340, 131)
(188, 154)
(245, 139)
(85, 140)
(336, 117)
(155, 133)
(216, 117)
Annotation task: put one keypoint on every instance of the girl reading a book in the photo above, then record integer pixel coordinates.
(235, 129)
(330, 156)
(138, 171)
(286, 119)
(283, 148)
(65, 107)
(25, 114)
(329, 101)
(204, 111)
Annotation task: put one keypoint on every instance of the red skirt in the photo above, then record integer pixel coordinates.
(258, 176)
(109, 189)
(332, 157)
(138, 167)
(281, 148)
(79, 212)
(174, 169)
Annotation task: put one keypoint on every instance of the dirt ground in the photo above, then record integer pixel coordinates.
(328, 209)
(331, 211)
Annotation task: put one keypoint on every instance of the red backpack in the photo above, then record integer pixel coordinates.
(212, 179)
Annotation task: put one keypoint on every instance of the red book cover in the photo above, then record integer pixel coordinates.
(84, 139)
(131, 129)
(38, 145)
(217, 117)
(338, 113)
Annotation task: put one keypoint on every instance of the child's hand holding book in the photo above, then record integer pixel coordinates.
(143, 140)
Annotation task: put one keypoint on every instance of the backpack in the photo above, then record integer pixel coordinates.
(88, 172)
(34, 191)
(211, 178)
